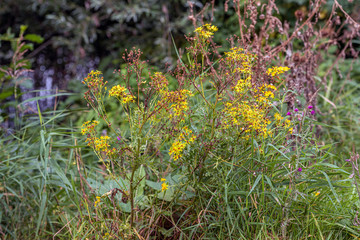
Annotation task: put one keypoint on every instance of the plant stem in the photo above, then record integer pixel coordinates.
(132, 197)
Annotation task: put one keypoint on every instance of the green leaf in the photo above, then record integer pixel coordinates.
(140, 180)
(255, 184)
(6, 94)
(331, 186)
(34, 38)
(42, 211)
(154, 185)
(23, 29)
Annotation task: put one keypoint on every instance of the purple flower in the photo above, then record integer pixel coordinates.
(289, 113)
(312, 112)
(310, 107)
(299, 169)
(347, 160)
(296, 110)
(119, 138)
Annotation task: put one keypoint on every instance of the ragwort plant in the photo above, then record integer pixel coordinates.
(216, 157)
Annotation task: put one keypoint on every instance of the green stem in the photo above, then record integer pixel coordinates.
(132, 197)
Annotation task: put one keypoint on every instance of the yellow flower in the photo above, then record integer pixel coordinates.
(101, 144)
(317, 193)
(88, 127)
(117, 91)
(243, 114)
(242, 85)
(274, 71)
(120, 93)
(159, 82)
(97, 201)
(176, 149)
(278, 117)
(164, 186)
(163, 179)
(206, 30)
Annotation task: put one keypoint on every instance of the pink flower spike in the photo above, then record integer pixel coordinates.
(299, 169)
(312, 112)
(296, 110)
(289, 113)
(310, 107)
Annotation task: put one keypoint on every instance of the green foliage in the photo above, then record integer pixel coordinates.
(225, 184)
(240, 183)
(37, 177)
(12, 74)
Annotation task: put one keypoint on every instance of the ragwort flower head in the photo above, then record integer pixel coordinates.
(89, 127)
(120, 93)
(176, 102)
(253, 118)
(164, 186)
(176, 149)
(98, 199)
(159, 82)
(185, 138)
(102, 143)
(95, 82)
(206, 31)
(275, 71)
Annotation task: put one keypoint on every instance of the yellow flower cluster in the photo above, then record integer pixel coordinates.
(239, 60)
(88, 127)
(264, 93)
(112, 153)
(120, 93)
(95, 83)
(174, 102)
(164, 185)
(98, 144)
(93, 78)
(206, 31)
(176, 149)
(177, 100)
(243, 85)
(250, 105)
(286, 124)
(186, 137)
(185, 134)
(278, 117)
(159, 82)
(97, 201)
(102, 143)
(117, 91)
(180, 106)
(239, 54)
(274, 71)
(248, 117)
(249, 108)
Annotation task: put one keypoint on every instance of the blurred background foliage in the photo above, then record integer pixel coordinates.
(79, 35)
